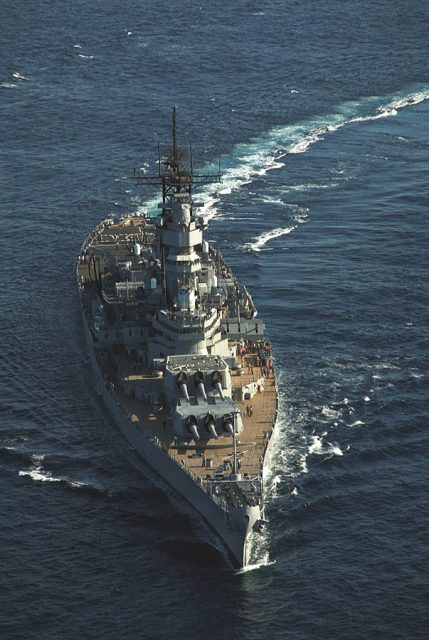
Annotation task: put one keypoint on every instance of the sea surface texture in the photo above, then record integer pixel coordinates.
(319, 112)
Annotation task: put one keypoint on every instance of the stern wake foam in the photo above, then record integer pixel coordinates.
(250, 161)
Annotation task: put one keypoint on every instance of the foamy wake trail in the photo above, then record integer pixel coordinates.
(318, 447)
(288, 450)
(269, 235)
(259, 553)
(37, 474)
(357, 423)
(252, 567)
(257, 244)
(252, 160)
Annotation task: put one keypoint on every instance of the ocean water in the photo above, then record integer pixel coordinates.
(320, 114)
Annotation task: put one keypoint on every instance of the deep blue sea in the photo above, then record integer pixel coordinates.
(320, 113)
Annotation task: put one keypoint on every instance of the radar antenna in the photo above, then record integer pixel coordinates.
(175, 174)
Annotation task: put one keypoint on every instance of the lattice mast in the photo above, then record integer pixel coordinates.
(175, 170)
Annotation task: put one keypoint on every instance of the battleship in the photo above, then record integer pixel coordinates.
(179, 354)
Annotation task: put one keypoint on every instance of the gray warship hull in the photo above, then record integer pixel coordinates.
(179, 358)
(228, 527)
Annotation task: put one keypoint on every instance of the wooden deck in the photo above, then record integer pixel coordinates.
(251, 442)
(210, 458)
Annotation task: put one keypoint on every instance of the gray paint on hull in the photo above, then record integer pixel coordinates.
(231, 525)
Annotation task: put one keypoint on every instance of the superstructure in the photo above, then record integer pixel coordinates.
(179, 354)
